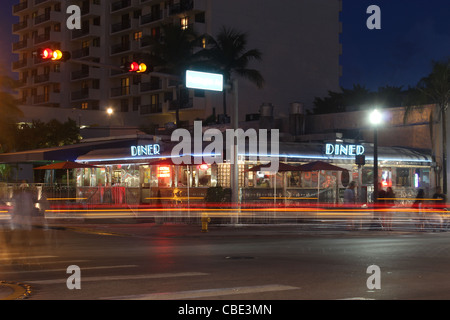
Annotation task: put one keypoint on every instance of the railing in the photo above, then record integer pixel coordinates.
(41, 38)
(151, 108)
(152, 17)
(118, 48)
(121, 4)
(120, 26)
(181, 104)
(21, 6)
(150, 86)
(81, 94)
(19, 64)
(120, 91)
(42, 18)
(20, 25)
(80, 53)
(20, 45)
(184, 5)
(80, 32)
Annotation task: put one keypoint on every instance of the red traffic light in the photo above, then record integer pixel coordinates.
(135, 67)
(54, 55)
(46, 53)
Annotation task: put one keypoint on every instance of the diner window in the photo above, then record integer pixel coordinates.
(164, 174)
(403, 177)
(204, 175)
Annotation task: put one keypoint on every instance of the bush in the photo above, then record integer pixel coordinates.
(218, 194)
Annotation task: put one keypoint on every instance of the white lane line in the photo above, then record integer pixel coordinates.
(27, 257)
(122, 277)
(180, 295)
(65, 269)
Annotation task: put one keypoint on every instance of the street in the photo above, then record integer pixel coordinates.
(248, 262)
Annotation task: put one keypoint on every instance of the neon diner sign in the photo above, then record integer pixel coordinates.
(145, 150)
(338, 149)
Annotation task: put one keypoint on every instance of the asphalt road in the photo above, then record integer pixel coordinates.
(260, 262)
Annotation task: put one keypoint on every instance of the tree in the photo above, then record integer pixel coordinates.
(173, 54)
(39, 134)
(9, 112)
(436, 86)
(360, 98)
(227, 54)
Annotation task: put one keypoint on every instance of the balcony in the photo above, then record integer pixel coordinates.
(150, 86)
(19, 64)
(120, 26)
(52, 16)
(85, 94)
(52, 36)
(24, 82)
(119, 5)
(46, 77)
(37, 2)
(120, 91)
(88, 73)
(151, 17)
(91, 10)
(119, 48)
(182, 6)
(20, 7)
(19, 26)
(151, 108)
(87, 52)
(181, 104)
(49, 98)
(20, 45)
(88, 31)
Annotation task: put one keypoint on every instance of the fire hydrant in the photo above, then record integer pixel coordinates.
(205, 220)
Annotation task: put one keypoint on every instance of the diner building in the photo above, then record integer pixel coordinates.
(145, 171)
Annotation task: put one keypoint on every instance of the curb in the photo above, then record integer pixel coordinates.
(14, 290)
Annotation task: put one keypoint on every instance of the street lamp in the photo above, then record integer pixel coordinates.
(375, 119)
(109, 111)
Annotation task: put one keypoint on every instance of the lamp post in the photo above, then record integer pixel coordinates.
(375, 120)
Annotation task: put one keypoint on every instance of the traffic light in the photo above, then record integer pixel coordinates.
(45, 54)
(135, 67)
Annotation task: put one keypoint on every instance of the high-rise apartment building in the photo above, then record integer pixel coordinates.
(299, 41)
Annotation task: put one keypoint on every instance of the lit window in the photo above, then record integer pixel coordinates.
(84, 105)
(184, 23)
(138, 35)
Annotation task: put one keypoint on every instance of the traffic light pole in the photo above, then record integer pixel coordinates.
(96, 64)
(115, 67)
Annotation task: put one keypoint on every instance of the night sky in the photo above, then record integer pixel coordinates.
(414, 32)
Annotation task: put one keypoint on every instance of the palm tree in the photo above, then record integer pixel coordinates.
(436, 86)
(173, 54)
(228, 55)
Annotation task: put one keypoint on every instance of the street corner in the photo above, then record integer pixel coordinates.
(14, 290)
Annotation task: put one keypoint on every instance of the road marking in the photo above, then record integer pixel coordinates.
(65, 269)
(27, 257)
(123, 277)
(180, 295)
